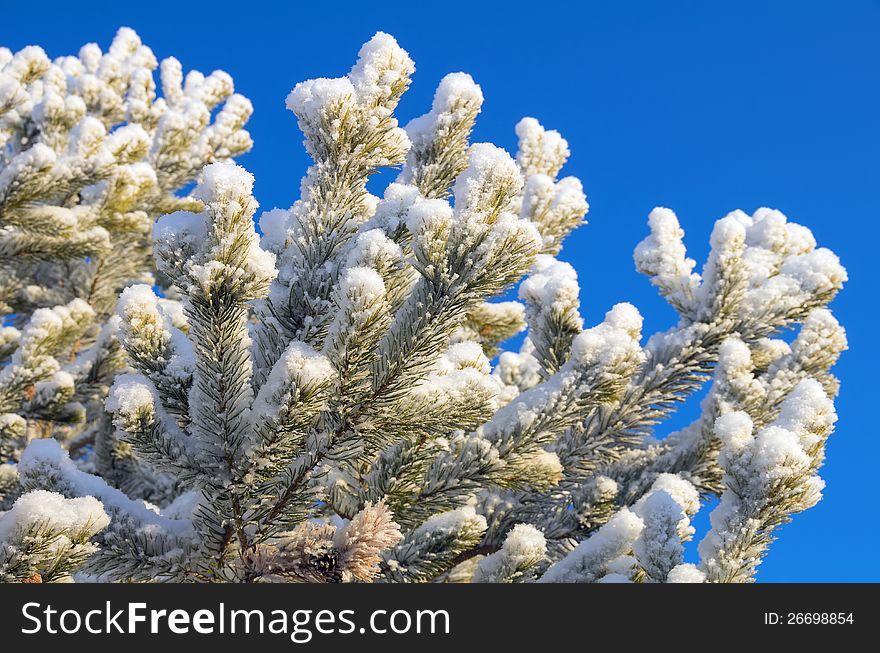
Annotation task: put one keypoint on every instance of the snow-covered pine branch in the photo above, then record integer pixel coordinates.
(318, 404)
(90, 156)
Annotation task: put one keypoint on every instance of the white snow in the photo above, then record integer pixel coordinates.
(456, 93)
(526, 541)
(452, 521)
(46, 456)
(523, 547)
(686, 573)
(520, 370)
(309, 99)
(807, 412)
(136, 303)
(614, 578)
(816, 272)
(663, 257)
(659, 546)
(459, 375)
(363, 283)
(393, 209)
(626, 317)
(373, 248)
(588, 561)
(224, 183)
(275, 225)
(604, 345)
(734, 430)
(299, 366)
(427, 220)
(552, 284)
(682, 491)
(52, 510)
(489, 169)
(130, 394)
(541, 150)
(182, 226)
(462, 355)
(381, 65)
(456, 88)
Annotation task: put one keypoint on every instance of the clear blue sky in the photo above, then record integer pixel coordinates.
(703, 107)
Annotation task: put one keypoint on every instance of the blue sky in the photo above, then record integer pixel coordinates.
(703, 107)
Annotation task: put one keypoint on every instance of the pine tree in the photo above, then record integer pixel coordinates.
(319, 404)
(89, 158)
